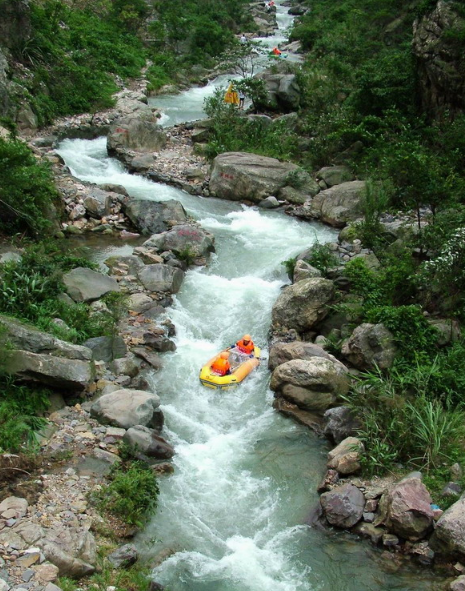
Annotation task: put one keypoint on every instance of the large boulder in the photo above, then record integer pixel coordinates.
(335, 175)
(85, 285)
(148, 442)
(345, 457)
(160, 277)
(152, 217)
(449, 534)
(343, 506)
(106, 348)
(302, 305)
(340, 204)
(313, 384)
(370, 346)
(282, 91)
(72, 549)
(240, 176)
(137, 134)
(408, 509)
(97, 203)
(184, 238)
(58, 372)
(282, 352)
(340, 423)
(125, 408)
(27, 338)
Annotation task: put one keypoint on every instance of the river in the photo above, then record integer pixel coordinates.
(233, 516)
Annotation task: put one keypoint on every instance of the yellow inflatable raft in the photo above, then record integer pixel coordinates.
(241, 366)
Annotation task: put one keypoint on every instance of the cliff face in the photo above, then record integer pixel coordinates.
(441, 60)
(15, 23)
(15, 29)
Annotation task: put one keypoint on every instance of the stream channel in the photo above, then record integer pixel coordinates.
(233, 516)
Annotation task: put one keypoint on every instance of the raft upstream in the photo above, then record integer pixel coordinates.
(241, 370)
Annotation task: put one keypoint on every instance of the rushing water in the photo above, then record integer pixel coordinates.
(189, 104)
(233, 516)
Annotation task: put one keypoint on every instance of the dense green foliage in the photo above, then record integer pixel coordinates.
(132, 492)
(232, 132)
(26, 190)
(74, 55)
(20, 410)
(77, 50)
(360, 86)
(29, 290)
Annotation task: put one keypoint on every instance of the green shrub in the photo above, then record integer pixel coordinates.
(401, 424)
(26, 190)
(322, 257)
(233, 133)
(29, 290)
(289, 265)
(20, 407)
(131, 494)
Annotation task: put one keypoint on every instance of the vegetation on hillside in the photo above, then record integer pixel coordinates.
(77, 50)
(362, 108)
(27, 191)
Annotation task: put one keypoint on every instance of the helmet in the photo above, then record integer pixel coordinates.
(246, 337)
(224, 355)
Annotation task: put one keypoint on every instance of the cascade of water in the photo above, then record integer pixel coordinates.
(232, 516)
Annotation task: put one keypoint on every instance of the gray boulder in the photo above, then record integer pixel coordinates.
(408, 509)
(240, 176)
(68, 565)
(148, 442)
(458, 584)
(184, 238)
(313, 384)
(302, 305)
(303, 270)
(124, 556)
(106, 348)
(28, 338)
(449, 534)
(340, 204)
(58, 372)
(125, 408)
(282, 91)
(152, 217)
(345, 457)
(335, 175)
(163, 278)
(370, 346)
(282, 352)
(343, 506)
(72, 549)
(269, 203)
(340, 423)
(97, 203)
(85, 285)
(129, 263)
(137, 134)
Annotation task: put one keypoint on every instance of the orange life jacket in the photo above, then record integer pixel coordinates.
(243, 348)
(276, 51)
(220, 366)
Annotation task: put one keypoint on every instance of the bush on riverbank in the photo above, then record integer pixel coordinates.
(132, 493)
(29, 290)
(26, 190)
(231, 131)
(21, 410)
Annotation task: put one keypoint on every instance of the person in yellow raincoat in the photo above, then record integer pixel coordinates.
(231, 97)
